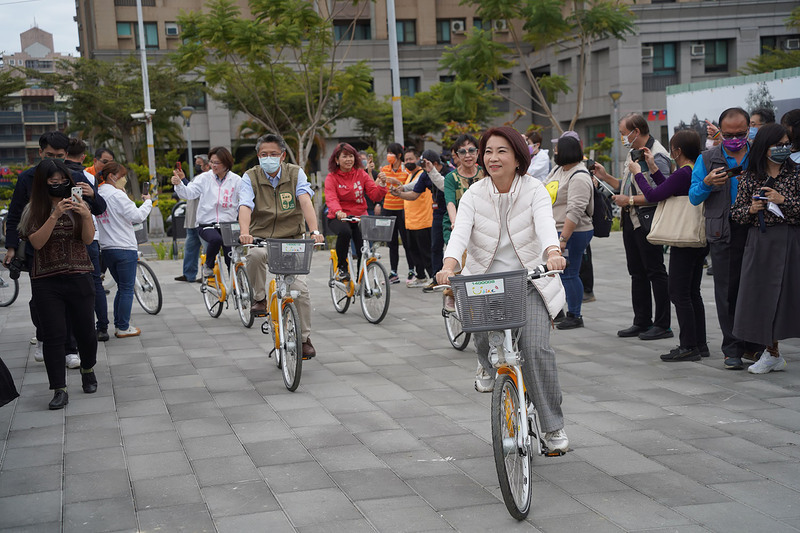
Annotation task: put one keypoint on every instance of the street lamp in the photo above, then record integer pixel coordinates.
(187, 111)
(615, 95)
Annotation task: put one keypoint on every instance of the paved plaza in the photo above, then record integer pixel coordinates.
(193, 430)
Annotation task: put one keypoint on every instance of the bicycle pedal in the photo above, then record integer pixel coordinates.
(555, 453)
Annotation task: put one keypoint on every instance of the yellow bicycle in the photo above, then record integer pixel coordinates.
(225, 283)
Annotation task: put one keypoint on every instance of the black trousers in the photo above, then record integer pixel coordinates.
(419, 246)
(648, 277)
(213, 237)
(399, 233)
(685, 275)
(57, 298)
(587, 271)
(726, 259)
(345, 231)
(437, 244)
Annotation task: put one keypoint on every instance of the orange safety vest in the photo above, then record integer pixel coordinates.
(419, 212)
(393, 202)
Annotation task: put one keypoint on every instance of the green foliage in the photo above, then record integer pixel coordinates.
(165, 205)
(601, 149)
(478, 59)
(163, 250)
(246, 63)
(453, 129)
(9, 83)
(774, 58)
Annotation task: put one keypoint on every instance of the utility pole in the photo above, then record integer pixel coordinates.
(394, 64)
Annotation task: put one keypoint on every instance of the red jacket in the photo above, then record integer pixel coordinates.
(345, 192)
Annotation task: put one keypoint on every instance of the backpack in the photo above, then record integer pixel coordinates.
(600, 210)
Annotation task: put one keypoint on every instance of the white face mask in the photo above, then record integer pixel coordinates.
(270, 164)
(626, 142)
(709, 144)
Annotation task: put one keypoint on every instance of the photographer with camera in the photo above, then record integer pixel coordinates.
(645, 261)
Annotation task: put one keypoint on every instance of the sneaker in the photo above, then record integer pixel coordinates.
(410, 281)
(570, 322)
(704, 351)
(679, 354)
(342, 275)
(556, 441)
(484, 382)
(411, 275)
(73, 361)
(130, 332)
(655, 333)
(429, 287)
(34, 340)
(208, 272)
(38, 353)
(102, 335)
(733, 363)
(588, 297)
(450, 304)
(394, 278)
(418, 283)
(767, 364)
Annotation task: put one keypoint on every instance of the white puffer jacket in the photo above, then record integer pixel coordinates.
(531, 228)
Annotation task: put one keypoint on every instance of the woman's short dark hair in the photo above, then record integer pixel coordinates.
(39, 206)
(112, 168)
(396, 149)
(568, 151)
(464, 138)
(767, 115)
(689, 143)
(515, 139)
(535, 137)
(767, 136)
(224, 156)
(791, 121)
(333, 160)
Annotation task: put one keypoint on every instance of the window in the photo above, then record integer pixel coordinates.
(478, 23)
(664, 59)
(409, 86)
(131, 29)
(443, 31)
(597, 133)
(344, 30)
(124, 29)
(447, 79)
(716, 56)
(406, 32)
(197, 97)
(768, 44)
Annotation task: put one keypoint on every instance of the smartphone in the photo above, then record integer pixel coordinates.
(757, 197)
(735, 171)
(77, 194)
(178, 165)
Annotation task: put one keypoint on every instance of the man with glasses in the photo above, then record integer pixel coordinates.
(715, 188)
(102, 157)
(275, 203)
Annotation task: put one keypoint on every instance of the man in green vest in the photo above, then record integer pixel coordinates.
(275, 203)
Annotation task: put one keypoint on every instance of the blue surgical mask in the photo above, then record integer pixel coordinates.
(270, 164)
(751, 134)
(779, 154)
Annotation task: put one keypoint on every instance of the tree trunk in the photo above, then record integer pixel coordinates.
(133, 179)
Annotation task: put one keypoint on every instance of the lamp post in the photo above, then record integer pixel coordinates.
(615, 95)
(187, 111)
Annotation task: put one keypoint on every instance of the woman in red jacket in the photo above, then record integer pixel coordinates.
(345, 188)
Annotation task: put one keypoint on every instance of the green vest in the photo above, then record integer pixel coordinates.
(277, 213)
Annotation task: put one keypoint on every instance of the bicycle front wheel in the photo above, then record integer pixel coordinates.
(457, 336)
(211, 292)
(375, 292)
(511, 460)
(9, 290)
(147, 289)
(243, 296)
(291, 349)
(341, 301)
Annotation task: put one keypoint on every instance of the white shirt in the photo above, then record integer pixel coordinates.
(506, 258)
(115, 226)
(540, 165)
(93, 180)
(219, 199)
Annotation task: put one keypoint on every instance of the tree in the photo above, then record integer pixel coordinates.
(283, 67)
(9, 84)
(544, 23)
(759, 98)
(772, 59)
(101, 95)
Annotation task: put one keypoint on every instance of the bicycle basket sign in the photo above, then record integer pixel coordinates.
(293, 247)
(484, 287)
(383, 222)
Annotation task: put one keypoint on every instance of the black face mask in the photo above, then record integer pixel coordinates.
(198, 169)
(411, 166)
(62, 190)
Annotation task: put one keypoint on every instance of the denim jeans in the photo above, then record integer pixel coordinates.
(100, 303)
(122, 265)
(191, 253)
(573, 285)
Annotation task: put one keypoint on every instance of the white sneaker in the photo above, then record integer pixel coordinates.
(410, 281)
(767, 364)
(34, 340)
(418, 283)
(207, 271)
(556, 441)
(73, 361)
(130, 332)
(38, 353)
(484, 382)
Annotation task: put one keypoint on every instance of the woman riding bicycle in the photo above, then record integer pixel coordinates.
(345, 188)
(522, 236)
(218, 190)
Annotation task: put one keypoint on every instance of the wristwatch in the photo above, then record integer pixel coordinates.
(630, 201)
(562, 239)
(316, 232)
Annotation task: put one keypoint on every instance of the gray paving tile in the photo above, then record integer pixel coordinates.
(203, 427)
(239, 499)
(579, 478)
(189, 411)
(190, 517)
(446, 492)
(214, 446)
(489, 518)
(329, 505)
(162, 441)
(733, 517)
(351, 526)
(370, 483)
(94, 460)
(322, 436)
(166, 492)
(672, 489)
(141, 408)
(296, 477)
(419, 463)
(260, 431)
(153, 465)
(737, 451)
(98, 485)
(353, 457)
(100, 515)
(706, 469)
(404, 514)
(16, 509)
(785, 473)
(631, 510)
(99, 438)
(277, 452)
(48, 454)
(30, 479)
(591, 521)
(767, 497)
(249, 413)
(274, 521)
(145, 424)
(222, 470)
(618, 460)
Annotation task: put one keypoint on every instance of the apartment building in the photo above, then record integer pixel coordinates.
(678, 41)
(30, 112)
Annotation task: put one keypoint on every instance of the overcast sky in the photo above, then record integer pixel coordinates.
(54, 16)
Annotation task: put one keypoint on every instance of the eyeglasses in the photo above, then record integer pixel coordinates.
(106, 161)
(464, 151)
(740, 135)
(782, 145)
(212, 162)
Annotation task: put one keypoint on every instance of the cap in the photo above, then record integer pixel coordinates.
(568, 133)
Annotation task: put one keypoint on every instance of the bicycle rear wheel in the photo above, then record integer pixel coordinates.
(512, 463)
(243, 296)
(147, 289)
(341, 301)
(458, 338)
(375, 292)
(291, 349)
(9, 290)
(211, 292)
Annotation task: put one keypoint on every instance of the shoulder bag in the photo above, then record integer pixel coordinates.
(677, 222)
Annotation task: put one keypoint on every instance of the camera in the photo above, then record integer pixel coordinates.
(15, 267)
(590, 163)
(637, 155)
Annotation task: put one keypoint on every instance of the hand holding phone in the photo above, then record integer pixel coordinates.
(733, 172)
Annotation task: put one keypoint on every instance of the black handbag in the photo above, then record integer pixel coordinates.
(645, 215)
(8, 391)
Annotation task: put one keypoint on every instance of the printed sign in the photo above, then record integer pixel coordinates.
(383, 222)
(287, 201)
(482, 288)
(293, 247)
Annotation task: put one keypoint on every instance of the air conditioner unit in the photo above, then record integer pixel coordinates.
(647, 53)
(458, 26)
(171, 29)
(792, 44)
(500, 25)
(698, 50)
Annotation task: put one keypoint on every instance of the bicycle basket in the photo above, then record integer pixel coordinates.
(140, 230)
(377, 228)
(230, 233)
(491, 302)
(289, 256)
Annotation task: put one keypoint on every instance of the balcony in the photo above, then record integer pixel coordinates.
(10, 117)
(12, 138)
(40, 117)
(658, 82)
